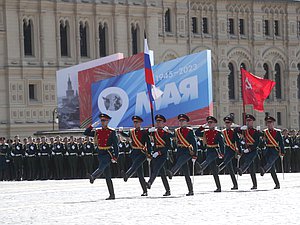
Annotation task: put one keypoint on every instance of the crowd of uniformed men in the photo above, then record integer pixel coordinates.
(70, 157)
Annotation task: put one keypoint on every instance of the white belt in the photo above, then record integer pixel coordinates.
(59, 153)
(88, 153)
(73, 153)
(286, 147)
(31, 156)
(17, 155)
(44, 153)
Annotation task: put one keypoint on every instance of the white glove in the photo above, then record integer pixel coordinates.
(39, 154)
(67, 153)
(296, 146)
(53, 153)
(257, 127)
(121, 129)
(166, 128)
(155, 154)
(244, 127)
(242, 142)
(82, 153)
(287, 141)
(152, 144)
(246, 150)
(127, 145)
(152, 129)
(120, 145)
(26, 154)
(95, 124)
(7, 160)
(194, 160)
(113, 160)
(234, 125)
(12, 154)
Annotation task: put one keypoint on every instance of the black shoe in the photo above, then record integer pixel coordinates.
(111, 197)
(217, 190)
(277, 186)
(92, 179)
(124, 175)
(191, 193)
(239, 171)
(234, 188)
(262, 171)
(144, 194)
(168, 193)
(169, 174)
(148, 185)
(254, 188)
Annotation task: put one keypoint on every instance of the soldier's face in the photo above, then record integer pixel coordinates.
(160, 123)
(104, 122)
(182, 123)
(228, 123)
(249, 122)
(270, 124)
(211, 124)
(137, 124)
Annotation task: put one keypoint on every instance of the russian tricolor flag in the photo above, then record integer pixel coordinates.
(153, 92)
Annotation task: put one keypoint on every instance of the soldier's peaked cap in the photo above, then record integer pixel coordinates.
(183, 116)
(137, 118)
(249, 116)
(228, 118)
(211, 118)
(160, 117)
(270, 118)
(2, 138)
(104, 116)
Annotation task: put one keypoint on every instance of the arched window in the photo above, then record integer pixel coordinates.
(64, 38)
(298, 81)
(267, 73)
(135, 39)
(83, 39)
(28, 37)
(278, 81)
(168, 21)
(231, 85)
(103, 32)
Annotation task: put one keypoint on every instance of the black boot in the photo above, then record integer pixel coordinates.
(254, 188)
(144, 194)
(217, 190)
(234, 188)
(168, 193)
(111, 197)
(169, 174)
(124, 175)
(92, 179)
(148, 185)
(262, 171)
(239, 171)
(277, 186)
(191, 193)
(110, 189)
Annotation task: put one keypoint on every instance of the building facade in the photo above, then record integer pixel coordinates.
(39, 37)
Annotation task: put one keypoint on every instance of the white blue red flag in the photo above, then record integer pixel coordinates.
(153, 92)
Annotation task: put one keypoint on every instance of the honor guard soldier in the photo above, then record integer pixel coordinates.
(44, 154)
(232, 149)
(186, 150)
(87, 154)
(141, 148)
(250, 142)
(162, 143)
(4, 151)
(106, 142)
(215, 147)
(30, 154)
(287, 149)
(274, 149)
(17, 154)
(72, 153)
(57, 153)
(294, 150)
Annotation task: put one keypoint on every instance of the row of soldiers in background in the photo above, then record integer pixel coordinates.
(74, 158)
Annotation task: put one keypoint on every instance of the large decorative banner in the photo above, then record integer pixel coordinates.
(67, 90)
(186, 83)
(101, 72)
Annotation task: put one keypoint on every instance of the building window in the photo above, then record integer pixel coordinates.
(194, 25)
(231, 26)
(276, 28)
(267, 73)
(135, 39)
(32, 90)
(103, 32)
(64, 37)
(266, 28)
(168, 21)
(298, 28)
(28, 37)
(231, 85)
(83, 40)
(298, 81)
(241, 26)
(279, 121)
(205, 25)
(278, 81)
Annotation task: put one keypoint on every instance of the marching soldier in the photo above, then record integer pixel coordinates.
(215, 147)
(274, 149)
(44, 154)
(87, 154)
(57, 153)
(17, 153)
(4, 151)
(250, 144)
(287, 149)
(30, 154)
(162, 143)
(186, 150)
(232, 149)
(140, 151)
(72, 153)
(106, 142)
